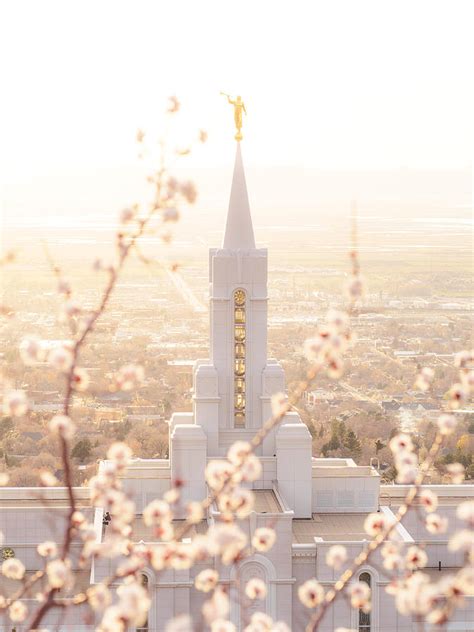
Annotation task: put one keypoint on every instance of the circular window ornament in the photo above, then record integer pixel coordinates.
(7, 553)
(239, 297)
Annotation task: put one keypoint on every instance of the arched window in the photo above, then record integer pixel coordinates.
(239, 358)
(144, 627)
(364, 617)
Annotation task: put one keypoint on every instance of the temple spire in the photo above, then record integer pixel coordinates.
(239, 229)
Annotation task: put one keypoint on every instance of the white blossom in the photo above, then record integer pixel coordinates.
(127, 215)
(355, 287)
(47, 479)
(218, 472)
(194, 512)
(60, 358)
(47, 549)
(416, 558)
(183, 623)
(12, 568)
(375, 523)
(311, 593)
(465, 512)
(188, 191)
(336, 556)
(170, 214)
(263, 539)
(457, 394)
(447, 424)
(260, 622)
(359, 594)
(173, 104)
(222, 625)
(456, 473)
(238, 452)
(17, 611)
(425, 379)
(401, 443)
(435, 523)
(228, 540)
(250, 470)
(156, 512)
(255, 589)
(62, 426)
(99, 597)
(428, 500)
(217, 607)
(120, 454)
(206, 580)
(129, 376)
(15, 403)
(31, 350)
(462, 540)
(80, 379)
(58, 573)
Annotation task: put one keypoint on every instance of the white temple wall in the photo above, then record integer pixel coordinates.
(293, 449)
(188, 461)
(338, 490)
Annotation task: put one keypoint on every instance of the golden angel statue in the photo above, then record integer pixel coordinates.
(239, 106)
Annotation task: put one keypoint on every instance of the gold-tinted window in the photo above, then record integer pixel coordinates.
(240, 333)
(239, 315)
(239, 385)
(239, 367)
(239, 401)
(239, 358)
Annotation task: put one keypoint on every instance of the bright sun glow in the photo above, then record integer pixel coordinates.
(329, 84)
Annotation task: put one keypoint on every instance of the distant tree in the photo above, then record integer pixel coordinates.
(333, 443)
(389, 475)
(312, 429)
(5, 426)
(379, 446)
(353, 444)
(23, 476)
(121, 430)
(82, 450)
(462, 442)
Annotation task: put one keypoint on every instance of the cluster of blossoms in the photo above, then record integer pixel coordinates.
(417, 596)
(224, 539)
(327, 347)
(405, 458)
(57, 572)
(425, 379)
(259, 621)
(133, 601)
(228, 479)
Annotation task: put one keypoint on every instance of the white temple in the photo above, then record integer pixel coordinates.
(312, 503)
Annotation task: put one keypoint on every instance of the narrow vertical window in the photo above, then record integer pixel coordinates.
(239, 358)
(364, 617)
(144, 627)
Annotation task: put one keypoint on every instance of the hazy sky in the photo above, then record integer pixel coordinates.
(332, 84)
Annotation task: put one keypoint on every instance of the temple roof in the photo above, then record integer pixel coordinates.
(239, 229)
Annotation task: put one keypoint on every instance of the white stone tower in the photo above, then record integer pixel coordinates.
(233, 389)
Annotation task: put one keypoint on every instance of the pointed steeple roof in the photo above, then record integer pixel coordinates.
(239, 229)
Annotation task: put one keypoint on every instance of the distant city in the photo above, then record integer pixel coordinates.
(417, 313)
